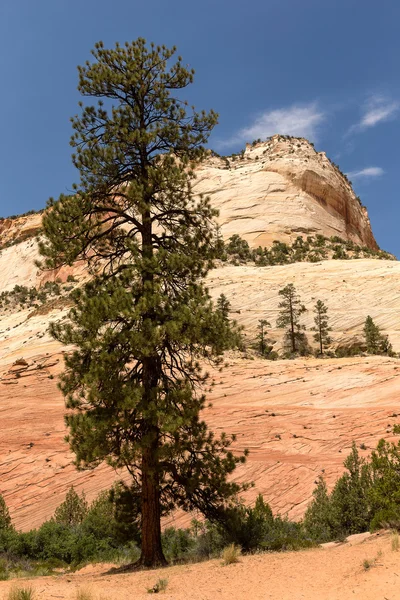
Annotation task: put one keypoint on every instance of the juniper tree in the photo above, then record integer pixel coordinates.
(261, 335)
(321, 328)
(134, 384)
(289, 318)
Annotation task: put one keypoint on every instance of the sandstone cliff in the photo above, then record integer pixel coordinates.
(297, 417)
(280, 189)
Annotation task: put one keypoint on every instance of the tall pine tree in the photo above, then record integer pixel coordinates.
(289, 317)
(321, 327)
(134, 384)
(262, 336)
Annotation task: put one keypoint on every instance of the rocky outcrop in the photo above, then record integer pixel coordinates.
(281, 189)
(298, 418)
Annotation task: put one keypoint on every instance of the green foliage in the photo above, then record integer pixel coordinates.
(230, 554)
(144, 322)
(366, 497)
(289, 317)
(178, 544)
(245, 526)
(23, 297)
(321, 328)
(350, 496)
(263, 346)
(5, 519)
(318, 519)
(238, 249)
(159, 586)
(310, 249)
(375, 341)
(73, 510)
(21, 593)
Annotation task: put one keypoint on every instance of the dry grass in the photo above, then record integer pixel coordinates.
(395, 541)
(86, 593)
(368, 564)
(230, 554)
(21, 593)
(160, 586)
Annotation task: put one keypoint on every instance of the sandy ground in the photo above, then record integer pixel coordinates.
(334, 573)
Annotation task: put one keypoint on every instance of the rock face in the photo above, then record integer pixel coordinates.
(352, 290)
(299, 417)
(280, 189)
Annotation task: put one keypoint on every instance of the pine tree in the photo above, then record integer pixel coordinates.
(375, 341)
(223, 306)
(134, 383)
(262, 335)
(5, 519)
(289, 318)
(372, 335)
(321, 328)
(73, 510)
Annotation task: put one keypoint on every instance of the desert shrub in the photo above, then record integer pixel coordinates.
(230, 555)
(245, 526)
(367, 496)
(385, 466)
(177, 543)
(350, 496)
(386, 518)
(319, 522)
(21, 593)
(159, 586)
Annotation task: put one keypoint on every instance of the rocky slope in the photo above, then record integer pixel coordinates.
(280, 189)
(297, 417)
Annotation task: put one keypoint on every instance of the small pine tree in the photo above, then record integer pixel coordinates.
(238, 248)
(223, 306)
(350, 496)
(73, 510)
(375, 341)
(318, 520)
(321, 328)
(262, 336)
(5, 519)
(289, 318)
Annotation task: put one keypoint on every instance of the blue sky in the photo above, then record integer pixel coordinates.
(325, 69)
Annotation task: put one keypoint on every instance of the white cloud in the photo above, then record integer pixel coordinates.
(367, 172)
(296, 120)
(377, 110)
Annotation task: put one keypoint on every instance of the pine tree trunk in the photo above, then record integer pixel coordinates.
(152, 554)
(292, 327)
(151, 549)
(320, 336)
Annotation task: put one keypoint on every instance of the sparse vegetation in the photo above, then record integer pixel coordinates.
(395, 541)
(159, 586)
(21, 297)
(230, 554)
(21, 593)
(364, 498)
(310, 249)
